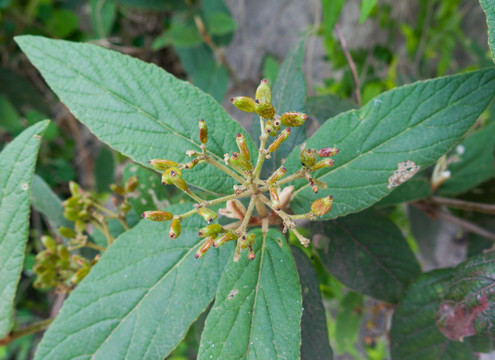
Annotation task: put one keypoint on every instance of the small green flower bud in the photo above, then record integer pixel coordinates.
(75, 189)
(241, 162)
(66, 232)
(243, 103)
(71, 214)
(48, 276)
(293, 119)
(323, 164)
(276, 122)
(189, 165)
(79, 226)
(275, 198)
(277, 175)
(265, 110)
(205, 246)
(117, 189)
(322, 206)
(203, 132)
(264, 92)
(161, 164)
(241, 144)
(210, 230)
(63, 252)
(207, 214)
(308, 157)
(174, 176)
(222, 240)
(131, 184)
(125, 207)
(83, 215)
(80, 274)
(326, 152)
(49, 243)
(175, 229)
(284, 135)
(71, 202)
(269, 129)
(157, 215)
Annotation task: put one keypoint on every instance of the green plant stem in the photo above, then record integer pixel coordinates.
(210, 160)
(123, 221)
(261, 157)
(464, 205)
(215, 202)
(110, 213)
(194, 196)
(31, 329)
(297, 175)
(105, 231)
(242, 228)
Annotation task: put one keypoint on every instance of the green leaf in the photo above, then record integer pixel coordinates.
(413, 334)
(369, 254)
(289, 92)
(17, 161)
(489, 8)
(323, 107)
(9, 118)
(21, 92)
(417, 122)
(257, 310)
(104, 170)
(141, 297)
(62, 23)
(179, 35)
(150, 193)
(471, 162)
(414, 189)
(270, 68)
(212, 78)
(137, 108)
(366, 7)
(331, 12)
(48, 203)
(314, 333)
(468, 306)
(103, 14)
(154, 4)
(220, 23)
(348, 322)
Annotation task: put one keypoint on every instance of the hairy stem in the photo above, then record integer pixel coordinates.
(465, 205)
(31, 329)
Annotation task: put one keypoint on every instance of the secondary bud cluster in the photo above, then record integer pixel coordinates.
(56, 268)
(268, 200)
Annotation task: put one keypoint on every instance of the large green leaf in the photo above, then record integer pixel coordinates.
(48, 203)
(323, 107)
(489, 7)
(136, 108)
(289, 92)
(258, 306)
(17, 161)
(468, 306)
(141, 297)
(369, 254)
(413, 334)
(103, 13)
(314, 332)
(417, 122)
(471, 162)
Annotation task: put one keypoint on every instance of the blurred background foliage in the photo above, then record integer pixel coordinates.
(354, 51)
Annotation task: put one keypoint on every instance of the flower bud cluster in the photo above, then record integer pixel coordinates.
(56, 268)
(268, 201)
